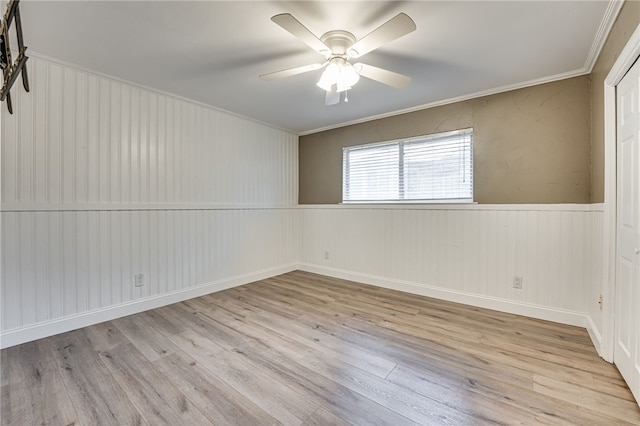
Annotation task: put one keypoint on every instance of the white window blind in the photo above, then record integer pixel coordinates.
(430, 168)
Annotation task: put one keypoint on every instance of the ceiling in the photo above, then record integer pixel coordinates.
(213, 51)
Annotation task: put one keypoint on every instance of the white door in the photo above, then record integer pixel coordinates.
(627, 315)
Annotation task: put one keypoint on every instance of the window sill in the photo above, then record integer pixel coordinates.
(599, 207)
(404, 203)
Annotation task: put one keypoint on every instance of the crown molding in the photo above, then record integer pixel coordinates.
(609, 18)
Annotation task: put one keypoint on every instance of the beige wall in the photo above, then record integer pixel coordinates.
(531, 145)
(626, 23)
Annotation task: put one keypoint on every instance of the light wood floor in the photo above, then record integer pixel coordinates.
(305, 349)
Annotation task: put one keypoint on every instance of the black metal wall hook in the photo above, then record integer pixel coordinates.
(12, 68)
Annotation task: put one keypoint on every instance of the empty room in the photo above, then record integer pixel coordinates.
(320, 212)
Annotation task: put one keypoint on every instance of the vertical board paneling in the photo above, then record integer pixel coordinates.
(76, 257)
(566, 248)
(86, 139)
(81, 148)
(26, 172)
(114, 142)
(26, 265)
(135, 145)
(10, 278)
(92, 161)
(9, 169)
(43, 295)
(532, 261)
(80, 137)
(104, 141)
(81, 262)
(68, 246)
(597, 275)
(579, 258)
(55, 256)
(482, 251)
(125, 144)
(105, 282)
(68, 139)
(153, 143)
(54, 143)
(40, 119)
(468, 251)
(94, 248)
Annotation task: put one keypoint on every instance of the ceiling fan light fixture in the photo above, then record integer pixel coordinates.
(329, 77)
(339, 73)
(348, 77)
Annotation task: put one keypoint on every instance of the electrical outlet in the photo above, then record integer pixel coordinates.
(326, 255)
(517, 282)
(138, 280)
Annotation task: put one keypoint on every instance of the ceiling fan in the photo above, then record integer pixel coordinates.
(338, 48)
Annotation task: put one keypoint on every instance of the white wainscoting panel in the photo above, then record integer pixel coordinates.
(467, 254)
(102, 180)
(61, 264)
(599, 276)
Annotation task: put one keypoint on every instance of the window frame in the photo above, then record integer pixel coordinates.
(400, 168)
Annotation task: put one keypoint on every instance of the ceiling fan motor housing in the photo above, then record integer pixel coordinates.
(338, 41)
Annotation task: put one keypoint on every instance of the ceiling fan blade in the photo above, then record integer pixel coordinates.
(332, 98)
(291, 71)
(293, 26)
(387, 77)
(393, 29)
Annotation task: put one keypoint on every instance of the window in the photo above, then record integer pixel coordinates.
(431, 168)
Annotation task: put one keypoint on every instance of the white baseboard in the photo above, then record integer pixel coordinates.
(578, 319)
(61, 325)
(595, 335)
(49, 328)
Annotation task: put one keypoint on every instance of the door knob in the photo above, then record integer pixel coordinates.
(638, 251)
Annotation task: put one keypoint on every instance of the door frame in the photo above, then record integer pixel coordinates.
(624, 62)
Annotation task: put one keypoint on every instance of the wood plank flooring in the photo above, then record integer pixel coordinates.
(303, 349)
